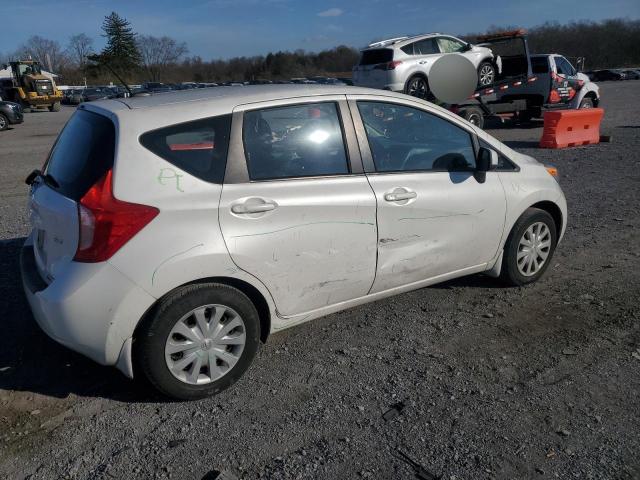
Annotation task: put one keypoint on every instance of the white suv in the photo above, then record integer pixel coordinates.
(403, 64)
(173, 233)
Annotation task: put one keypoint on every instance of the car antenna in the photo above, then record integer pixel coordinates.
(124, 84)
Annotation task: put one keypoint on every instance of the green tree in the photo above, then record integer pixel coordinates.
(120, 56)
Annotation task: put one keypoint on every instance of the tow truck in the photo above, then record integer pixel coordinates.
(527, 85)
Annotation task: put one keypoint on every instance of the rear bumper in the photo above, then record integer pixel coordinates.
(90, 308)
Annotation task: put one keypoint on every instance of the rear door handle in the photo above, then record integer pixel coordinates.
(398, 197)
(243, 209)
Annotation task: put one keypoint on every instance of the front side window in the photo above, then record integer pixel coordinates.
(294, 141)
(408, 139)
(199, 148)
(450, 45)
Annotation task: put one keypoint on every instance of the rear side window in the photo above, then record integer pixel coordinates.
(539, 65)
(294, 141)
(82, 154)
(199, 148)
(374, 57)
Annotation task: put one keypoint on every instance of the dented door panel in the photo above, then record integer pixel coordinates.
(453, 223)
(317, 246)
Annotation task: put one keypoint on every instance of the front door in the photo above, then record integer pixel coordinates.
(303, 219)
(434, 217)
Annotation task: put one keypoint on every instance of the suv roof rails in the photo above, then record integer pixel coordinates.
(387, 41)
(391, 41)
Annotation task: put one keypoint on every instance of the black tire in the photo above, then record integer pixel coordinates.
(55, 107)
(417, 86)
(586, 103)
(4, 122)
(473, 115)
(486, 74)
(150, 340)
(510, 272)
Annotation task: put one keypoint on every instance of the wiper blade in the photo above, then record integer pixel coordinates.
(47, 178)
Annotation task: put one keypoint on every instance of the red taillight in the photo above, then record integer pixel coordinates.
(388, 66)
(107, 223)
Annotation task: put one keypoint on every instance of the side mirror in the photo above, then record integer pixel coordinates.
(467, 47)
(487, 160)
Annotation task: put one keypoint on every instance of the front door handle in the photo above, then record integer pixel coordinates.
(399, 196)
(243, 208)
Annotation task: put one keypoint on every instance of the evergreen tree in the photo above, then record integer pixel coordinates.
(120, 56)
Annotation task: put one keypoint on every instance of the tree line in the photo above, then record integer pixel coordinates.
(138, 58)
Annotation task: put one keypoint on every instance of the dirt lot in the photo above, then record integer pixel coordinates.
(539, 382)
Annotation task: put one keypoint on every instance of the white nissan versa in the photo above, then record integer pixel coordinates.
(173, 233)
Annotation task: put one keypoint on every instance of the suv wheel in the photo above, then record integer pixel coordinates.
(529, 248)
(486, 74)
(199, 341)
(417, 86)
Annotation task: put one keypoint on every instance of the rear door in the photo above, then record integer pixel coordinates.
(82, 154)
(296, 210)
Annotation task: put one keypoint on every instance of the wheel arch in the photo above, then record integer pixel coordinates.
(414, 75)
(553, 210)
(258, 300)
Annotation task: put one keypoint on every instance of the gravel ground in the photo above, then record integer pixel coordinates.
(469, 379)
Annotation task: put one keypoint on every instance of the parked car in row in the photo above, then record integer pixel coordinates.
(403, 64)
(607, 75)
(10, 114)
(333, 197)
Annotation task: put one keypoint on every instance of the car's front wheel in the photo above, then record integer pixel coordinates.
(4, 122)
(486, 74)
(529, 248)
(586, 103)
(198, 341)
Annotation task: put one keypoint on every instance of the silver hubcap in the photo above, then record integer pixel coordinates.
(418, 88)
(533, 249)
(3, 122)
(205, 344)
(474, 119)
(486, 75)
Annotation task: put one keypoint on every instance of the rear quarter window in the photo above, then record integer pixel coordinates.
(539, 64)
(199, 147)
(82, 154)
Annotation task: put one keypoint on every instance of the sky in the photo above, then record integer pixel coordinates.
(228, 28)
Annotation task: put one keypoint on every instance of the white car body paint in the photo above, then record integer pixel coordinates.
(313, 255)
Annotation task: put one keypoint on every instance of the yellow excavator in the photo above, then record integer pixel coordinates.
(29, 87)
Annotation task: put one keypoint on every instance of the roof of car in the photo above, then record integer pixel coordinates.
(232, 95)
(402, 41)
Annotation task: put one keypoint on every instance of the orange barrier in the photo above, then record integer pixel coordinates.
(570, 128)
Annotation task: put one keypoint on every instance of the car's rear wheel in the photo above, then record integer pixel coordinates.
(473, 115)
(417, 86)
(529, 248)
(486, 74)
(198, 341)
(4, 122)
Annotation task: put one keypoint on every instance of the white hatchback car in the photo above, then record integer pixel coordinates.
(173, 233)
